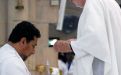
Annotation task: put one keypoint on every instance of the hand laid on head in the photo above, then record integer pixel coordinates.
(62, 46)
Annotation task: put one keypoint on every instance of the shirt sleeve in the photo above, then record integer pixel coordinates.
(76, 48)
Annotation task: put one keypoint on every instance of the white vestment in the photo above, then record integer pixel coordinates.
(11, 63)
(98, 36)
(63, 67)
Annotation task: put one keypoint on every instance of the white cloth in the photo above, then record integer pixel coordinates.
(61, 14)
(11, 63)
(63, 67)
(99, 36)
(70, 71)
(98, 67)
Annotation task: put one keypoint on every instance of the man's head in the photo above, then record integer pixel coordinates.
(24, 38)
(79, 3)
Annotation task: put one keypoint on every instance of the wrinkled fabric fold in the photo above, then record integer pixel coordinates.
(99, 36)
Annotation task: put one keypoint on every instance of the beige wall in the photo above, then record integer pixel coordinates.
(41, 14)
(3, 21)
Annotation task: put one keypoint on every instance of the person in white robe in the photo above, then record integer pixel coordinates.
(97, 47)
(20, 45)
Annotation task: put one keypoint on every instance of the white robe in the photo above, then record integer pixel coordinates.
(99, 36)
(11, 63)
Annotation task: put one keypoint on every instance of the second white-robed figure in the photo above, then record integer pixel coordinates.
(97, 47)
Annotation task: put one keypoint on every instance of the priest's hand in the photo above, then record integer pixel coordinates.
(62, 46)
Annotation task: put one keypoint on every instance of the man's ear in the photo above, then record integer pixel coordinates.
(23, 41)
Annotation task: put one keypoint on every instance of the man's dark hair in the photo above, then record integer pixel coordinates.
(24, 29)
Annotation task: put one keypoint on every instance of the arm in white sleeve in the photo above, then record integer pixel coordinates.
(76, 48)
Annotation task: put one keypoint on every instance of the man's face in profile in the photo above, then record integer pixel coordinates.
(29, 48)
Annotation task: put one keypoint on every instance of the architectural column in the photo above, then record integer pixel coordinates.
(32, 10)
(3, 21)
(17, 14)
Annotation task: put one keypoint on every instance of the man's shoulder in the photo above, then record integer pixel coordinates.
(12, 63)
(9, 59)
(7, 54)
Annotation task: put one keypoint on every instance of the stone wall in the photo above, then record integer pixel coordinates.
(39, 12)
